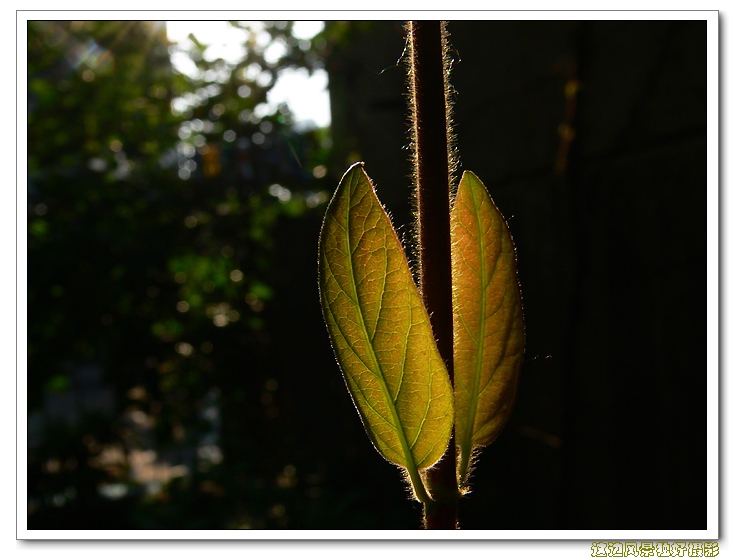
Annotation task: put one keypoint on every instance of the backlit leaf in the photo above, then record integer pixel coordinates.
(488, 319)
(380, 330)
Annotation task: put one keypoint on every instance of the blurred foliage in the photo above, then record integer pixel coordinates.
(153, 198)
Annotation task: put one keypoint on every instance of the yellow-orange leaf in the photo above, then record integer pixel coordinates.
(488, 319)
(380, 331)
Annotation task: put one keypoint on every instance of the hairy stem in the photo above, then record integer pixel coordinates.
(432, 176)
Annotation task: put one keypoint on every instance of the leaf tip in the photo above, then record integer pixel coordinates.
(360, 164)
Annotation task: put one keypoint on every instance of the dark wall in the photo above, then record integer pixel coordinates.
(591, 138)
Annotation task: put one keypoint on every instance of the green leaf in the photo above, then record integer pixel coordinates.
(380, 331)
(488, 319)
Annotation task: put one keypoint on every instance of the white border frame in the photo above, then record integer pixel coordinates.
(713, 280)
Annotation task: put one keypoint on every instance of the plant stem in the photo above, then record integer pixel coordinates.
(431, 169)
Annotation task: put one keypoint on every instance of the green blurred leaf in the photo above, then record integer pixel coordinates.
(261, 291)
(380, 331)
(38, 228)
(488, 319)
(58, 384)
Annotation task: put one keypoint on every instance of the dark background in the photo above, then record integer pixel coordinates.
(591, 138)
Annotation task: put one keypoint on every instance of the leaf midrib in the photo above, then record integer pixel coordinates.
(411, 465)
(469, 432)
